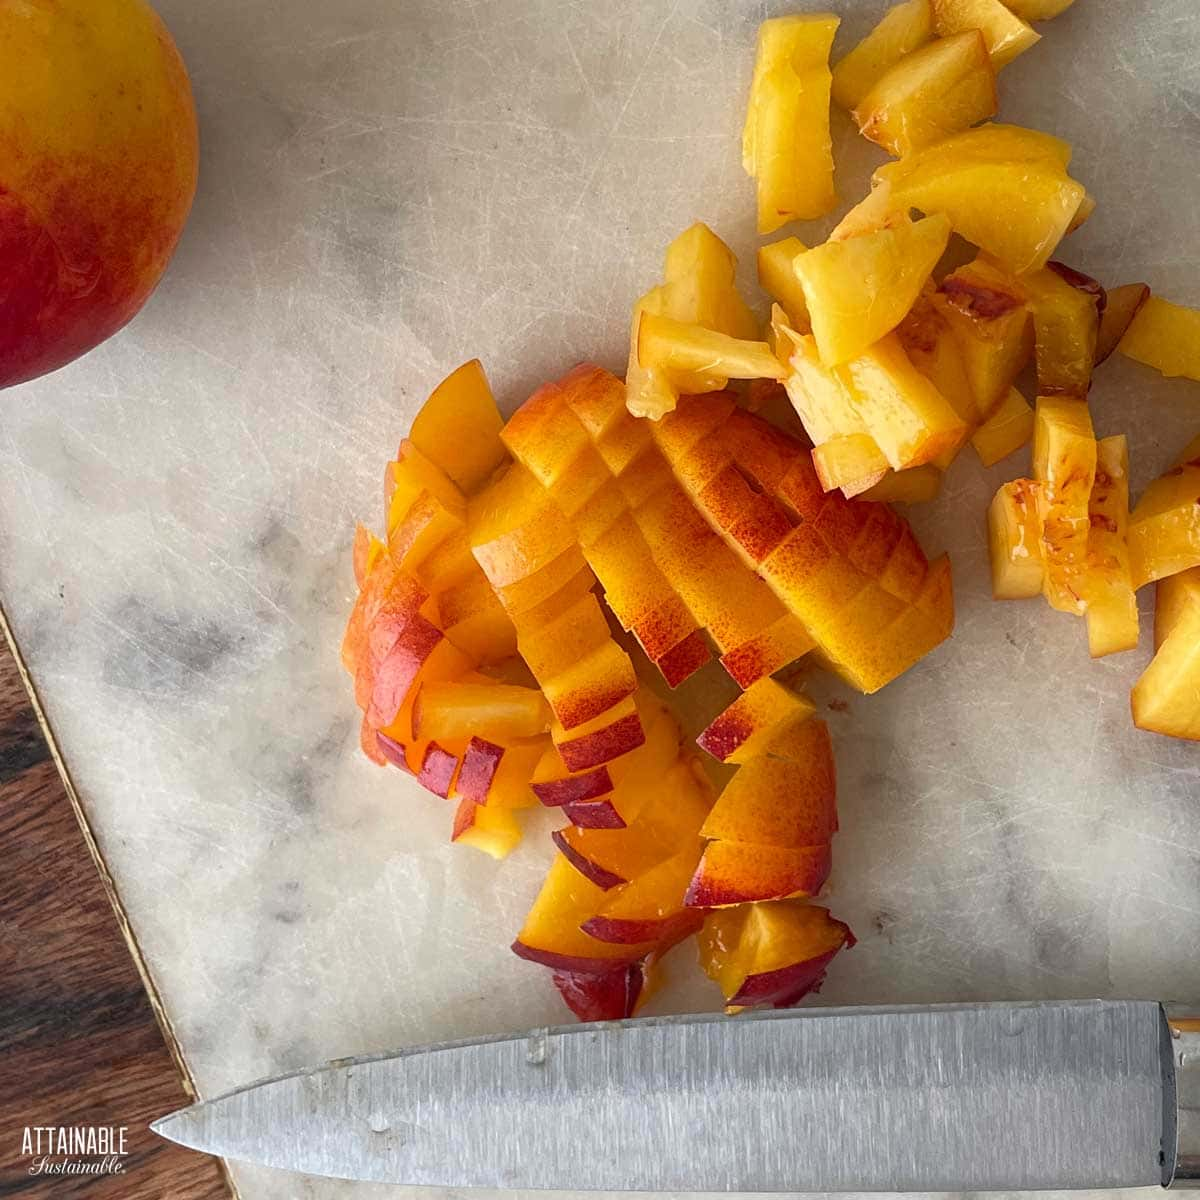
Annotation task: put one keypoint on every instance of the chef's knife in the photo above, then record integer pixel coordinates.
(1083, 1094)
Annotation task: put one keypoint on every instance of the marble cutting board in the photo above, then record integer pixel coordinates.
(390, 188)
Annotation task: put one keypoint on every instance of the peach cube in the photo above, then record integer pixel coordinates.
(1165, 336)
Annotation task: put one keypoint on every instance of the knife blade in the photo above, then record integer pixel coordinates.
(1080, 1094)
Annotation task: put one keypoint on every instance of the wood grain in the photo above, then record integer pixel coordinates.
(79, 1040)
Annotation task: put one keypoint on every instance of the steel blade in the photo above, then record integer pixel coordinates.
(947, 1098)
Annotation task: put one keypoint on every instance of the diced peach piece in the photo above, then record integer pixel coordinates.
(684, 659)
(859, 289)
(601, 739)
(449, 710)
(545, 436)
(1164, 528)
(1005, 192)
(781, 801)
(604, 507)
(680, 346)
(692, 424)
(591, 687)
(753, 523)
(495, 831)
(551, 934)
(1166, 699)
(1173, 596)
(699, 270)
(499, 776)
(1064, 463)
(426, 525)
(988, 314)
(555, 785)
(627, 438)
(564, 642)
(596, 397)
(651, 906)
(413, 477)
(1039, 10)
(1008, 429)
(458, 427)
(933, 348)
(781, 643)
(1005, 33)
(486, 636)
(760, 713)
(778, 278)
(786, 144)
(603, 996)
(911, 421)
(1015, 541)
(515, 528)
(904, 28)
(578, 487)
(1124, 303)
(821, 396)
(380, 753)
(419, 645)
(930, 94)
(738, 872)
(1066, 310)
(439, 767)
(915, 485)
(1165, 336)
(1112, 616)
(878, 209)
(609, 857)
(449, 564)
(770, 953)
(850, 461)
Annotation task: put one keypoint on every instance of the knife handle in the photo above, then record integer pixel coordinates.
(1183, 1053)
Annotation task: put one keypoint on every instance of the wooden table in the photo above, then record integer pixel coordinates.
(79, 1040)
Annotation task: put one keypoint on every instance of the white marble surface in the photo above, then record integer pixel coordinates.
(387, 189)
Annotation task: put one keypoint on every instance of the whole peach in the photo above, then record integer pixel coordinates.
(98, 159)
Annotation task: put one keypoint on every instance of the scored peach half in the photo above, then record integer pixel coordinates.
(552, 935)
(738, 872)
(450, 709)
(1164, 527)
(458, 428)
(1164, 336)
(786, 144)
(1015, 541)
(1112, 616)
(761, 712)
(937, 90)
(495, 831)
(770, 953)
(786, 796)
(859, 289)
(905, 27)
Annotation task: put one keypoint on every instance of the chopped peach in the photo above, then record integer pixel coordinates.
(419, 653)
(684, 659)
(911, 421)
(1124, 303)
(1039, 10)
(1015, 541)
(988, 313)
(1007, 193)
(933, 348)
(368, 549)
(1165, 336)
(1005, 33)
(699, 271)
(485, 636)
(1164, 528)
(786, 145)
(760, 713)
(680, 346)
(850, 461)
(603, 996)
(605, 737)
(1066, 310)
(781, 643)
(551, 934)
(786, 796)
(1166, 699)
(1008, 429)
(458, 427)
(515, 528)
(495, 831)
(555, 785)
(822, 397)
(1064, 463)
(590, 687)
(692, 423)
(596, 397)
(738, 872)
(770, 953)
(545, 436)
(1112, 616)
(751, 522)
(651, 906)
(778, 278)
(904, 28)
(937, 90)
(610, 857)
(556, 584)
(449, 565)
(879, 209)
(859, 289)
(452, 710)
(439, 769)
(555, 646)
(915, 485)
(1173, 596)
